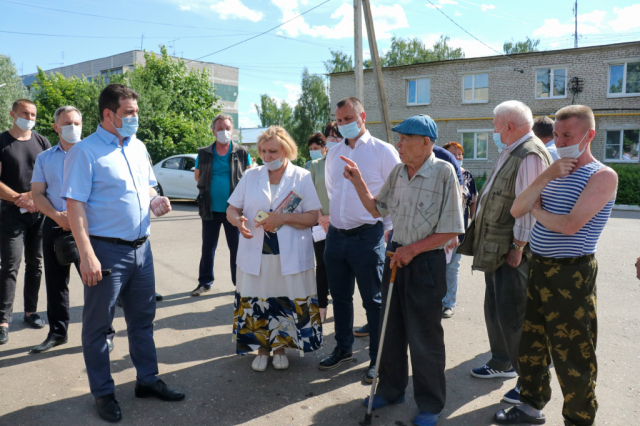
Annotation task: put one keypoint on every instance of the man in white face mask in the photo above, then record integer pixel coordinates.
(571, 201)
(45, 187)
(21, 225)
(219, 168)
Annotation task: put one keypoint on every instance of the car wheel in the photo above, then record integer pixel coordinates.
(159, 190)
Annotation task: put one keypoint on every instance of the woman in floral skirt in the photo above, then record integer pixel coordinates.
(276, 304)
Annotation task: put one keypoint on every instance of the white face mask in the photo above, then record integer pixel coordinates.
(71, 133)
(572, 151)
(25, 124)
(332, 144)
(223, 136)
(275, 164)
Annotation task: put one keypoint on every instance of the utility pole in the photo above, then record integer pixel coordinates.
(142, 42)
(377, 71)
(357, 20)
(575, 12)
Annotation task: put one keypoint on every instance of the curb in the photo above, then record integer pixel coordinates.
(626, 207)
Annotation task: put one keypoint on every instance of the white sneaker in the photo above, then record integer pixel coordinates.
(280, 362)
(260, 362)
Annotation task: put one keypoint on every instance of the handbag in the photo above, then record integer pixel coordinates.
(66, 249)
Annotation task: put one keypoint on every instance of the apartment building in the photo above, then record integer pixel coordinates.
(460, 96)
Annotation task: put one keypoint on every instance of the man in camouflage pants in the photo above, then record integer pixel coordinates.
(571, 201)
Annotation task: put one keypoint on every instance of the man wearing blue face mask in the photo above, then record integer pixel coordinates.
(499, 243)
(21, 226)
(108, 187)
(355, 244)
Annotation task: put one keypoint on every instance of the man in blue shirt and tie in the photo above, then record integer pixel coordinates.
(108, 185)
(45, 189)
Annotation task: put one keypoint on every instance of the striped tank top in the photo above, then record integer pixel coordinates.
(559, 197)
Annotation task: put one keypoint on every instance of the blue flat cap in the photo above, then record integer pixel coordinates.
(422, 125)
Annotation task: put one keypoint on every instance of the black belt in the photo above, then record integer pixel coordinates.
(354, 231)
(135, 243)
(396, 246)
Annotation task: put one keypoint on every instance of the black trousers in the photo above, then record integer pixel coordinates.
(19, 231)
(56, 280)
(321, 274)
(415, 320)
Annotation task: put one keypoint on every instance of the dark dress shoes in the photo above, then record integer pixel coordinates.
(159, 297)
(368, 375)
(160, 390)
(4, 335)
(108, 408)
(362, 331)
(337, 357)
(34, 320)
(110, 344)
(48, 344)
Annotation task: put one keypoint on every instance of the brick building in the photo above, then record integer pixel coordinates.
(223, 77)
(461, 95)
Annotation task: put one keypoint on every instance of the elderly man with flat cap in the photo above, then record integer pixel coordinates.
(422, 195)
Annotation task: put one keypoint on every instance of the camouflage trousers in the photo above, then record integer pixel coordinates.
(560, 323)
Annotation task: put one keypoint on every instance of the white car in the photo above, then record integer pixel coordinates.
(175, 176)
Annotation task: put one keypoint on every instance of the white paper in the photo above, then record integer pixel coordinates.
(318, 233)
(449, 255)
(23, 210)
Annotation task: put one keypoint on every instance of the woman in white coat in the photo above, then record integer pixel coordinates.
(276, 304)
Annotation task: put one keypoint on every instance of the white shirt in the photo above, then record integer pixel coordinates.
(530, 168)
(253, 193)
(553, 151)
(375, 159)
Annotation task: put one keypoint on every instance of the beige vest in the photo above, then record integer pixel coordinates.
(488, 237)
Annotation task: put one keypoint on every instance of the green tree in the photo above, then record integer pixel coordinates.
(176, 104)
(339, 62)
(407, 52)
(274, 113)
(13, 89)
(312, 112)
(528, 45)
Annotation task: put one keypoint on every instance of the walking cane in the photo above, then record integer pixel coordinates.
(367, 417)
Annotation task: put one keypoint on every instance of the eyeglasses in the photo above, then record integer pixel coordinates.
(333, 138)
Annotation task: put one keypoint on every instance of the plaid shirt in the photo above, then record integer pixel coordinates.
(431, 202)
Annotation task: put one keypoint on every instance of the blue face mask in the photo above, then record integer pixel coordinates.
(498, 141)
(129, 126)
(332, 144)
(315, 154)
(350, 131)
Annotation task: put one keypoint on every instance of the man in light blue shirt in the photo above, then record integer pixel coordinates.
(46, 183)
(543, 129)
(108, 185)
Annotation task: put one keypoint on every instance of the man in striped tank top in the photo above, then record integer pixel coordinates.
(571, 201)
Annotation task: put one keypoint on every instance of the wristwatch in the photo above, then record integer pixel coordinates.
(514, 246)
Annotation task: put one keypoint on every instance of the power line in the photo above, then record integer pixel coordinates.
(120, 19)
(116, 37)
(456, 24)
(263, 33)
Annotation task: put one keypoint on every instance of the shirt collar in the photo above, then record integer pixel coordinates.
(519, 142)
(424, 170)
(366, 136)
(110, 138)
(58, 147)
(551, 143)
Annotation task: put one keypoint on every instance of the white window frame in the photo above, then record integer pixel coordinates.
(614, 62)
(473, 88)
(475, 142)
(416, 78)
(620, 130)
(551, 68)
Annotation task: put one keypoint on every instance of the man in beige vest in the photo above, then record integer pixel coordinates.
(498, 242)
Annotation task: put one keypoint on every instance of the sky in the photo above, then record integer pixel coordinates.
(272, 63)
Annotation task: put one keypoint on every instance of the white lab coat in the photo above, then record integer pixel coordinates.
(253, 193)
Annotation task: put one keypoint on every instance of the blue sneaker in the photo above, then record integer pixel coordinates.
(379, 402)
(485, 372)
(513, 396)
(426, 419)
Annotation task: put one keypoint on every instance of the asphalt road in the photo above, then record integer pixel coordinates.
(196, 355)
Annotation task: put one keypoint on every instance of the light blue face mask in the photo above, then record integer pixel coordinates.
(332, 144)
(129, 126)
(350, 131)
(315, 154)
(498, 140)
(275, 164)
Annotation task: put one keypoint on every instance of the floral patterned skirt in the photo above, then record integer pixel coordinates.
(285, 320)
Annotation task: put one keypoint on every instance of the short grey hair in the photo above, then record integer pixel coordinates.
(221, 116)
(66, 108)
(515, 112)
